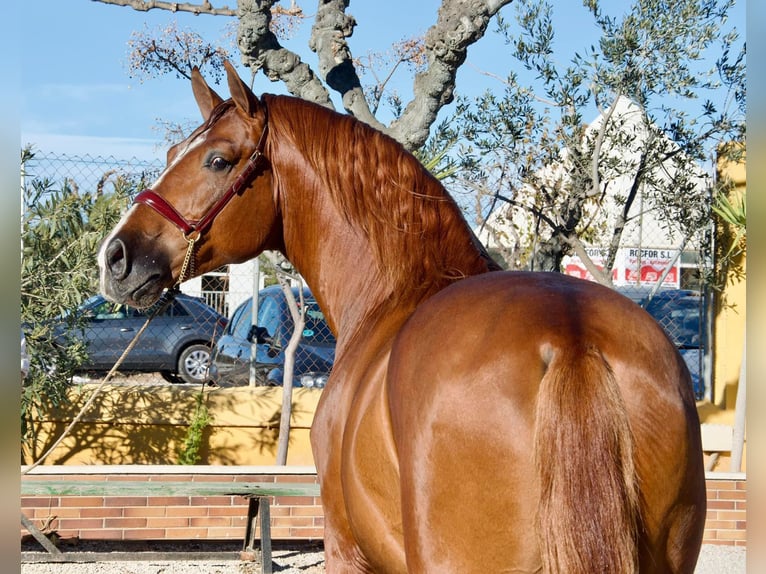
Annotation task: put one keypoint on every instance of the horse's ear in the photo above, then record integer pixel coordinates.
(242, 95)
(206, 97)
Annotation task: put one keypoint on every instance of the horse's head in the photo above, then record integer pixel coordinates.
(194, 211)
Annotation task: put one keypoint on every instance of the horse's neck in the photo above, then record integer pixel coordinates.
(342, 273)
(342, 270)
(367, 240)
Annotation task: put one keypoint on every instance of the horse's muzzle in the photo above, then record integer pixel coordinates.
(130, 279)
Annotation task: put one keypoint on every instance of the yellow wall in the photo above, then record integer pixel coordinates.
(141, 424)
(729, 327)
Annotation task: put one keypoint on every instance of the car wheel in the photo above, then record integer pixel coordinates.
(193, 364)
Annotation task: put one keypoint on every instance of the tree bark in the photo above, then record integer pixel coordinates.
(459, 24)
(261, 50)
(205, 7)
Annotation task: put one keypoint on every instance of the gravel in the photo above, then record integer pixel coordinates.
(96, 557)
(714, 559)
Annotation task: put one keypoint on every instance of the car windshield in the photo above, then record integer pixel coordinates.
(316, 328)
(681, 320)
(275, 318)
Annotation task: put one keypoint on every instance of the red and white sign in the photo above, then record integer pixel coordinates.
(633, 266)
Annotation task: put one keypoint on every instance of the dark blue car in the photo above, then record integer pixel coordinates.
(269, 336)
(679, 312)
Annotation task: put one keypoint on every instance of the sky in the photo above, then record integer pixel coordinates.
(77, 97)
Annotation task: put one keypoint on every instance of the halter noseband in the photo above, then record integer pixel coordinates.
(197, 227)
(193, 229)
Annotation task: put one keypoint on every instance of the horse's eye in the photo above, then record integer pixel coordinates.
(219, 164)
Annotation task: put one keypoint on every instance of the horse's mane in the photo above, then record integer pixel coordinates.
(380, 187)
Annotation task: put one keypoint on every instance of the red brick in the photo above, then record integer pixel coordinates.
(125, 501)
(185, 511)
(132, 522)
(279, 510)
(185, 533)
(100, 512)
(210, 500)
(59, 512)
(223, 533)
(132, 511)
(293, 522)
(165, 522)
(294, 500)
(208, 521)
(731, 515)
(722, 484)
(732, 495)
(308, 533)
(303, 479)
(80, 523)
(101, 534)
(227, 511)
(306, 511)
(732, 535)
(720, 504)
(144, 534)
(170, 478)
(168, 501)
(720, 524)
(38, 501)
(280, 533)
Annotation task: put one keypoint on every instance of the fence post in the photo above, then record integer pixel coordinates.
(254, 320)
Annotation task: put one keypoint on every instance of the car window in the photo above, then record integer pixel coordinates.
(239, 326)
(268, 316)
(316, 329)
(107, 310)
(274, 316)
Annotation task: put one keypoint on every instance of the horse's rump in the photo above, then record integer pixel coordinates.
(582, 365)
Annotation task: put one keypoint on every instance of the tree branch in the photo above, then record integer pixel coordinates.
(460, 23)
(328, 39)
(145, 5)
(261, 50)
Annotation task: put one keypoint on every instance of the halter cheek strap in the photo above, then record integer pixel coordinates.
(193, 229)
(188, 227)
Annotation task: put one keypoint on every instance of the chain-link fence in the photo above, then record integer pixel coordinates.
(212, 323)
(205, 333)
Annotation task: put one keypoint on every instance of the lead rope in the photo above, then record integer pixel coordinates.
(188, 265)
(168, 297)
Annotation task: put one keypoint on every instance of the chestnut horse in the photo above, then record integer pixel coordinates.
(475, 420)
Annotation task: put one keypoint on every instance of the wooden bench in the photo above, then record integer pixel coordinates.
(257, 493)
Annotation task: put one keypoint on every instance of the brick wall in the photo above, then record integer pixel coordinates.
(726, 509)
(173, 517)
(296, 518)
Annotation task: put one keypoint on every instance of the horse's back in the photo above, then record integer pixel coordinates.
(468, 398)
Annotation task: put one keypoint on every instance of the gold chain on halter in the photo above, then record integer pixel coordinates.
(188, 264)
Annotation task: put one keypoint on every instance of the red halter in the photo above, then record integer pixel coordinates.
(199, 226)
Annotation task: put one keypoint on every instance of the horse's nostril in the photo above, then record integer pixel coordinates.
(117, 259)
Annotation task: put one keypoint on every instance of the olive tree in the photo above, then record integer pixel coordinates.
(434, 59)
(668, 83)
(61, 228)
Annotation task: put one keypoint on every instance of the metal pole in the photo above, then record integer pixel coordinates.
(254, 320)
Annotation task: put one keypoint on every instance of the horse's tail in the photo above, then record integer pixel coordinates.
(588, 513)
